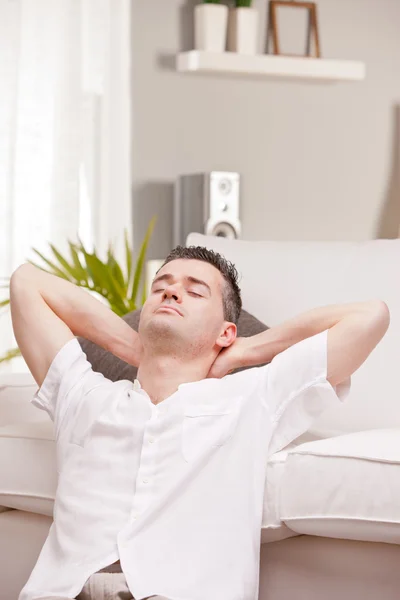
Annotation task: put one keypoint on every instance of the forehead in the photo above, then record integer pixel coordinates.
(200, 269)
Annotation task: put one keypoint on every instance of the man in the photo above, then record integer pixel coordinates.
(161, 480)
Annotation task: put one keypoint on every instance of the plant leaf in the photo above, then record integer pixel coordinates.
(104, 278)
(80, 269)
(98, 272)
(10, 354)
(105, 282)
(129, 270)
(141, 259)
(117, 295)
(117, 309)
(71, 270)
(38, 266)
(144, 290)
(54, 269)
(89, 271)
(116, 272)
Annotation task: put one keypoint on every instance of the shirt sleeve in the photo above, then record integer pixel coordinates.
(69, 377)
(296, 390)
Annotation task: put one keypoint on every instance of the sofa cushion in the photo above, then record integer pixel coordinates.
(116, 369)
(281, 279)
(28, 481)
(273, 528)
(345, 487)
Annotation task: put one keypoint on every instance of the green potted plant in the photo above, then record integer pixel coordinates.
(115, 283)
(210, 26)
(243, 28)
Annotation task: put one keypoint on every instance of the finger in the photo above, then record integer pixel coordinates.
(214, 374)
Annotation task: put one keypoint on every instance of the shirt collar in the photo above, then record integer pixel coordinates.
(137, 386)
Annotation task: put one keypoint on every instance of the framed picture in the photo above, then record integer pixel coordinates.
(312, 26)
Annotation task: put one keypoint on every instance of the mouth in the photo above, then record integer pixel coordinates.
(169, 308)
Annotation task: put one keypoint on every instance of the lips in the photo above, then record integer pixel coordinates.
(168, 307)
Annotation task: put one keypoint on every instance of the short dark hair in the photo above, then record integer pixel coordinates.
(231, 298)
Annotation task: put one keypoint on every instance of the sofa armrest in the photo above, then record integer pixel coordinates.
(16, 391)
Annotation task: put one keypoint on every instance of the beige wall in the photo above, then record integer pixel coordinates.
(318, 161)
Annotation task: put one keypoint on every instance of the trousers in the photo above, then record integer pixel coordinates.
(107, 584)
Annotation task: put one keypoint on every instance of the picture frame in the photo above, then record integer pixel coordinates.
(312, 28)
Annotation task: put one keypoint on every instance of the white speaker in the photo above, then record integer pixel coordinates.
(207, 203)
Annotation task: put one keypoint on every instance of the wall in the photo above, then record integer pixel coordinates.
(318, 161)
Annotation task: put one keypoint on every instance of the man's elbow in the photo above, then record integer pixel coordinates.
(20, 277)
(23, 271)
(381, 315)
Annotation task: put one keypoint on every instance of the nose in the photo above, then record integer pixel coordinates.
(173, 291)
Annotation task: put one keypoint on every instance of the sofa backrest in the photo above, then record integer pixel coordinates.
(282, 279)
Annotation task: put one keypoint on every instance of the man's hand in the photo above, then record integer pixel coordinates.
(230, 358)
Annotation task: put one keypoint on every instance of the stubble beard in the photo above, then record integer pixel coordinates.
(162, 338)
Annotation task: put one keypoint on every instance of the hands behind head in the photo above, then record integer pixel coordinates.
(233, 357)
(230, 358)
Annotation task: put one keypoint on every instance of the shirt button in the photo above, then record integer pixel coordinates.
(145, 480)
(151, 440)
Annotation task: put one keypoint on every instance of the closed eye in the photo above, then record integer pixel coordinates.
(193, 293)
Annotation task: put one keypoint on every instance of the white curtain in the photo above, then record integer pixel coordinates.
(64, 130)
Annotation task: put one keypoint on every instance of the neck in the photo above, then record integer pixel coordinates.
(160, 375)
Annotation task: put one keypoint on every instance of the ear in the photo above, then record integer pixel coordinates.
(227, 335)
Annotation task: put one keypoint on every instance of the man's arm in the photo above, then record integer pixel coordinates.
(354, 331)
(48, 311)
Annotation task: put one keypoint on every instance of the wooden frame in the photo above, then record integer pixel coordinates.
(311, 30)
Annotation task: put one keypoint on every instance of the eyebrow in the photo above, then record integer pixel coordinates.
(190, 278)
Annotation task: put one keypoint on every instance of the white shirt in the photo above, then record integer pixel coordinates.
(173, 490)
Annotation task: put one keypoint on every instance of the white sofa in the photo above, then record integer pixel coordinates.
(331, 524)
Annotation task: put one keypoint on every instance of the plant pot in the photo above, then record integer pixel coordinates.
(210, 27)
(243, 30)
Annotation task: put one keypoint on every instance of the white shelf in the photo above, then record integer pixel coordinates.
(267, 65)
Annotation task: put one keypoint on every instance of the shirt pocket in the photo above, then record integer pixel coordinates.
(206, 428)
(92, 411)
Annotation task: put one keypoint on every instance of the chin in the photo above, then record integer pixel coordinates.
(158, 325)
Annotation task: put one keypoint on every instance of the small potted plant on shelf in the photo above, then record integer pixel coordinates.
(243, 28)
(211, 24)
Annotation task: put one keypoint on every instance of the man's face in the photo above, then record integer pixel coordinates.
(184, 309)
